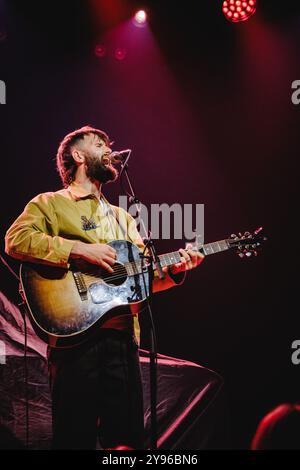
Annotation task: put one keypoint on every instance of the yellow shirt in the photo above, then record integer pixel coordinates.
(52, 222)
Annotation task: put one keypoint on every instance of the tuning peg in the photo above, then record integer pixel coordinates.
(259, 229)
(241, 255)
(233, 235)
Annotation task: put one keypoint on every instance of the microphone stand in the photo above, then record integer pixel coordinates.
(154, 261)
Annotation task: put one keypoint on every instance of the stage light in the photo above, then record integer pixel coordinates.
(239, 10)
(120, 53)
(140, 18)
(100, 50)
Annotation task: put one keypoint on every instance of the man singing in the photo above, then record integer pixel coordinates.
(96, 386)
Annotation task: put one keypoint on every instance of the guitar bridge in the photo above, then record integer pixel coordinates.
(80, 284)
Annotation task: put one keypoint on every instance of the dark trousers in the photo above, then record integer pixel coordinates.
(97, 391)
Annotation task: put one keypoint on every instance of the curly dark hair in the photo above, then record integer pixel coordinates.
(65, 163)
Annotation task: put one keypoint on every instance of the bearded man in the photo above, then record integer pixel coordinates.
(96, 386)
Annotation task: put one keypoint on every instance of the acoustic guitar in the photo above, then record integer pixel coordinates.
(66, 305)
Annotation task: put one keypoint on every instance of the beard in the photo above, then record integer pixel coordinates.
(95, 170)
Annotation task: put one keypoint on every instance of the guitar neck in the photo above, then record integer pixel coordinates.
(134, 268)
(168, 259)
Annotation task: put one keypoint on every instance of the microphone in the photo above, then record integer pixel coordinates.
(119, 157)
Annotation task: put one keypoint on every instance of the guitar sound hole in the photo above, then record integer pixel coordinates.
(116, 278)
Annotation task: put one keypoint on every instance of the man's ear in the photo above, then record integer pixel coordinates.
(77, 155)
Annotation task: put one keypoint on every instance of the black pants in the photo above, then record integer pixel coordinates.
(97, 391)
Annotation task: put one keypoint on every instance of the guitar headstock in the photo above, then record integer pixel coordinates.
(247, 244)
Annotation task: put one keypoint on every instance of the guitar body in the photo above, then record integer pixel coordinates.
(66, 305)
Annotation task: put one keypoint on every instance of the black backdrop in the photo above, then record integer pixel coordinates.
(206, 106)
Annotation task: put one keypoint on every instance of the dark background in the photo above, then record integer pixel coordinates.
(206, 107)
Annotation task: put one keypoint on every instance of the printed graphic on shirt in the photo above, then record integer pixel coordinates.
(88, 224)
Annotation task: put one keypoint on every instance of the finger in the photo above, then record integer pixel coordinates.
(186, 264)
(196, 257)
(111, 252)
(193, 257)
(109, 260)
(188, 261)
(184, 254)
(106, 266)
(197, 253)
(192, 252)
(199, 258)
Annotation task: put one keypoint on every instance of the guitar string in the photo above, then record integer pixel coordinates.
(110, 278)
(118, 276)
(122, 270)
(133, 264)
(119, 273)
(114, 276)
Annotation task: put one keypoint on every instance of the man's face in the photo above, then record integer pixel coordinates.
(97, 162)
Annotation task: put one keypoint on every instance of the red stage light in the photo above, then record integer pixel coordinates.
(100, 50)
(237, 10)
(140, 18)
(120, 53)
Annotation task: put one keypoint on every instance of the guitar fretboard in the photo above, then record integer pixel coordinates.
(215, 247)
(168, 259)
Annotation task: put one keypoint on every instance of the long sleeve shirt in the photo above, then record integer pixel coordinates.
(52, 222)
